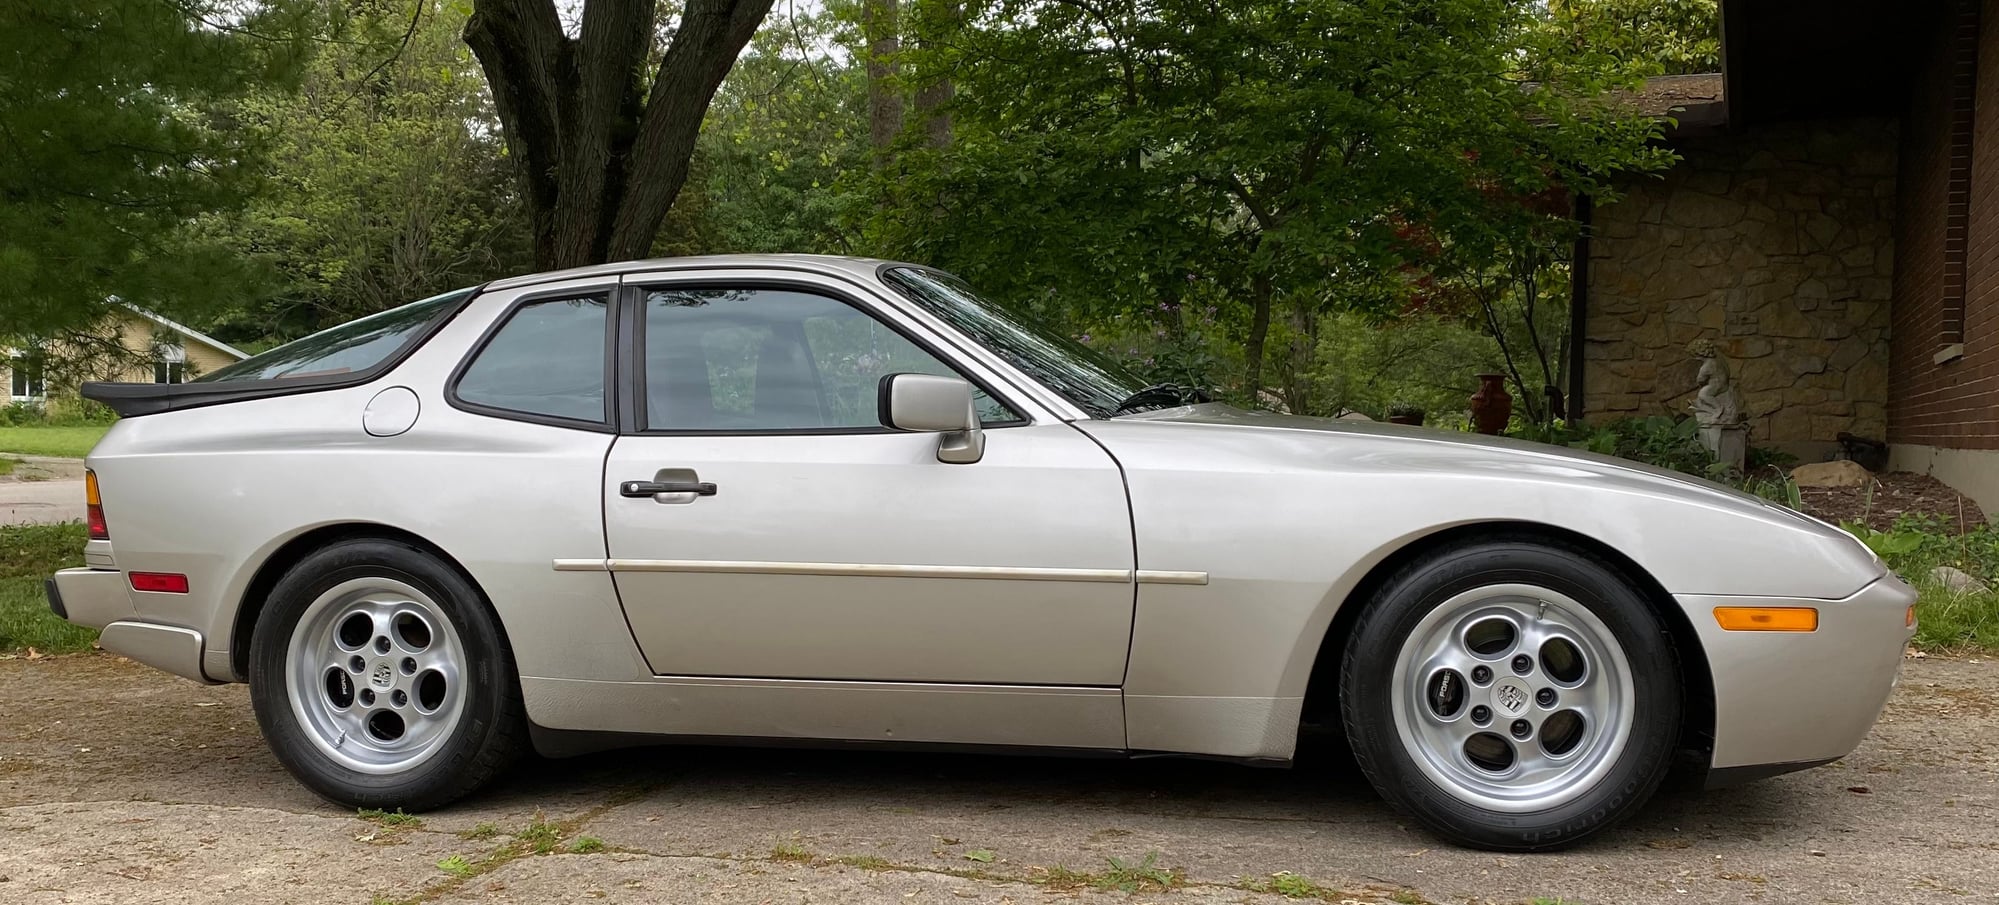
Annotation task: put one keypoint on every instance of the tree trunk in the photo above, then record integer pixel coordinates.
(931, 99)
(879, 29)
(1259, 332)
(600, 155)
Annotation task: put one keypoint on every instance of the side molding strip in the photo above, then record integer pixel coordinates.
(877, 570)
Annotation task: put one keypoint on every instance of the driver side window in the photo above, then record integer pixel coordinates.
(746, 360)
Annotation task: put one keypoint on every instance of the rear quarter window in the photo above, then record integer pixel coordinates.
(352, 347)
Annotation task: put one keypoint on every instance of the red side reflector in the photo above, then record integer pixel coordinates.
(161, 582)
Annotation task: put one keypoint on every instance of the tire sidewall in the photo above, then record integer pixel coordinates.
(488, 665)
(1368, 671)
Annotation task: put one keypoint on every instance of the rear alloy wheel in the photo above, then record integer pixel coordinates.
(380, 678)
(1512, 695)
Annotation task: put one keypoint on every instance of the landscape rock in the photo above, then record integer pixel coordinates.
(1837, 473)
(1958, 580)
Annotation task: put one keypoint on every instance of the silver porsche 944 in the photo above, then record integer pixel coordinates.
(800, 498)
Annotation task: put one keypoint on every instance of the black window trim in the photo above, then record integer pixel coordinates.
(614, 303)
(632, 417)
(130, 400)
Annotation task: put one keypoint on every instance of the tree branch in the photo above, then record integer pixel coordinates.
(710, 35)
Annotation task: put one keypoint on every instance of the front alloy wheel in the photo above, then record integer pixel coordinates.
(1514, 694)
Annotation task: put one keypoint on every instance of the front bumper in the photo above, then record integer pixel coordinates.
(98, 598)
(1791, 700)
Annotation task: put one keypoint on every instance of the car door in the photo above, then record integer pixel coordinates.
(828, 546)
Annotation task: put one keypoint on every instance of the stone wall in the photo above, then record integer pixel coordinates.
(1777, 244)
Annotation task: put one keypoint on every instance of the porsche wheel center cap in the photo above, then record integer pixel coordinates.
(1511, 696)
(383, 676)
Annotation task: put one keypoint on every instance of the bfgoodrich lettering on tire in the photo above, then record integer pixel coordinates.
(1512, 693)
(382, 680)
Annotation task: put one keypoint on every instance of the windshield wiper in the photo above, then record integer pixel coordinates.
(1161, 395)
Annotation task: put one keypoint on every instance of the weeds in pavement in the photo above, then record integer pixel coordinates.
(541, 836)
(1123, 876)
(586, 845)
(482, 831)
(457, 866)
(395, 820)
(790, 851)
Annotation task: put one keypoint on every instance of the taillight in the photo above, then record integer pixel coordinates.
(94, 507)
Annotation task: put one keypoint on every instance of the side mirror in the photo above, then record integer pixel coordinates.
(922, 402)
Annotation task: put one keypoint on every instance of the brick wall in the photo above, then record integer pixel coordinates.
(1954, 403)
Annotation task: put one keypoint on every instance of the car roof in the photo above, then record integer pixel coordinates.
(817, 263)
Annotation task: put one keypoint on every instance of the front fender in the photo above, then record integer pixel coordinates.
(1287, 522)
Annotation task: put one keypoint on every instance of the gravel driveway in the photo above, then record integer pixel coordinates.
(119, 784)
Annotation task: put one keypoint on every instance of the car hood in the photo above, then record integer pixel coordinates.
(1359, 438)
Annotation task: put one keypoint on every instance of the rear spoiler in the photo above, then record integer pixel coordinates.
(130, 400)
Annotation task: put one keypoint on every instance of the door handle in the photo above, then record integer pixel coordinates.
(651, 488)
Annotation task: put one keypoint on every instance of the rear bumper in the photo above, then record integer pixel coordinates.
(90, 597)
(1791, 700)
(98, 599)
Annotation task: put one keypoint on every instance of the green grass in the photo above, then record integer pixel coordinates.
(68, 441)
(7, 465)
(28, 554)
(1947, 621)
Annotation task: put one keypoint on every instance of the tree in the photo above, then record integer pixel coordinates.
(387, 180)
(787, 132)
(110, 144)
(1668, 37)
(600, 152)
(1278, 158)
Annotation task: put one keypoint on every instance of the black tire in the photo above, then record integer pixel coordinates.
(1414, 591)
(489, 736)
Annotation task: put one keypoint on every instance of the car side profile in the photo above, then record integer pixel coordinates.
(842, 500)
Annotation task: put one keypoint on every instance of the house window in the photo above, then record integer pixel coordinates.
(170, 364)
(27, 382)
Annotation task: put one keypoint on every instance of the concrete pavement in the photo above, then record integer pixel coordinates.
(42, 490)
(119, 784)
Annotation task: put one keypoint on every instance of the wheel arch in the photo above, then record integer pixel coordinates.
(1698, 710)
(257, 593)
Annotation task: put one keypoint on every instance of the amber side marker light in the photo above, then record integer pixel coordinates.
(1909, 620)
(94, 508)
(1767, 618)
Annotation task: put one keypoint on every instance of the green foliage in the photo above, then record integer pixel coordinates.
(1671, 443)
(586, 845)
(1670, 37)
(395, 819)
(117, 136)
(28, 554)
(541, 836)
(784, 129)
(1946, 620)
(1112, 158)
(457, 866)
(1136, 876)
(389, 182)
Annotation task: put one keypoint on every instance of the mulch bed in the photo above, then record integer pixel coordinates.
(1894, 493)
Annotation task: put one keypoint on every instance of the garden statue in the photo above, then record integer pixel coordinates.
(1718, 408)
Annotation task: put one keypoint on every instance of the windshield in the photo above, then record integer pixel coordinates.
(353, 346)
(1095, 383)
